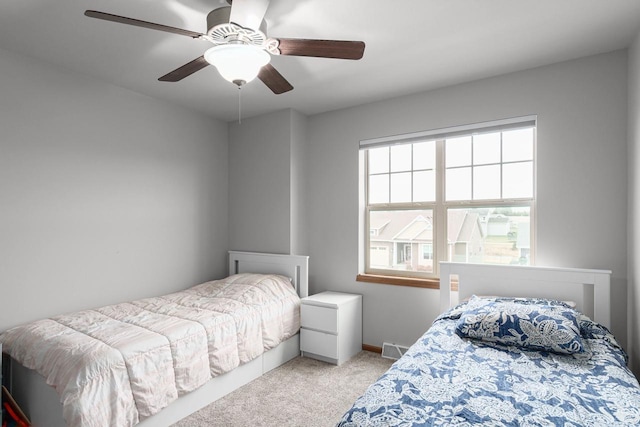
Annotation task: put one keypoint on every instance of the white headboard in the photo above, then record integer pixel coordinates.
(589, 289)
(296, 267)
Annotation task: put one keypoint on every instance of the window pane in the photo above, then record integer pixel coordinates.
(458, 184)
(379, 160)
(398, 239)
(379, 189)
(486, 148)
(458, 151)
(424, 155)
(401, 158)
(486, 182)
(517, 180)
(424, 186)
(517, 145)
(400, 187)
(491, 235)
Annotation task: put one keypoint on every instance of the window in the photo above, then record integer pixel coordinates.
(463, 194)
(427, 251)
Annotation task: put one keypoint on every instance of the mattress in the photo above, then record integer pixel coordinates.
(449, 379)
(120, 364)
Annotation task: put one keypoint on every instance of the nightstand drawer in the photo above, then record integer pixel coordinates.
(319, 318)
(319, 343)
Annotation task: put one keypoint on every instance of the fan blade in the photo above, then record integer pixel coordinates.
(139, 23)
(340, 49)
(274, 80)
(185, 71)
(248, 13)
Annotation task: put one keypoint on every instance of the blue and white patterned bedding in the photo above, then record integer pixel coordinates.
(446, 380)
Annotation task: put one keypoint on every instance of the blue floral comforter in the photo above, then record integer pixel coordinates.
(446, 380)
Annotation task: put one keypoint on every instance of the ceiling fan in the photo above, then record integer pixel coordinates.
(242, 50)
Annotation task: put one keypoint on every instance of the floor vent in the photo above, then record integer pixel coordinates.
(393, 351)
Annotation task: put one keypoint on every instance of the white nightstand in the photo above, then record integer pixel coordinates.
(331, 326)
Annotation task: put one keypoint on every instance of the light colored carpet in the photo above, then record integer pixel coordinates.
(303, 392)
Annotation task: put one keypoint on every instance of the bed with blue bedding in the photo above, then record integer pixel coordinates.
(506, 362)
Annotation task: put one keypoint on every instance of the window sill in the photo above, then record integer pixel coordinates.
(399, 281)
(404, 281)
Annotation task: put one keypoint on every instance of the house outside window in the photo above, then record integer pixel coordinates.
(464, 194)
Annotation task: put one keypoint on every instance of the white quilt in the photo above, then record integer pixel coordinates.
(116, 365)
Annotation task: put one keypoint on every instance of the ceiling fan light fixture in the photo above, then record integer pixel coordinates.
(237, 63)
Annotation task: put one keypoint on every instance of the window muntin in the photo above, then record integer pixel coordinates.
(490, 166)
(484, 174)
(402, 173)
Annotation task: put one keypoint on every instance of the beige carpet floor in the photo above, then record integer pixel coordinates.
(301, 393)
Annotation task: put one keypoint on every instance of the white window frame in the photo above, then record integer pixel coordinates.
(440, 206)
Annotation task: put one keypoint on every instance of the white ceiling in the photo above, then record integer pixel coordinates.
(411, 45)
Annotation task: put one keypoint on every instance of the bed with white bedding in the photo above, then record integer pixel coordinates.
(129, 363)
(509, 361)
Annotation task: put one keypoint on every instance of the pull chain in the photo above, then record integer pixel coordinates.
(239, 105)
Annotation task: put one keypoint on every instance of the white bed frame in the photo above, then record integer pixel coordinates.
(42, 405)
(589, 289)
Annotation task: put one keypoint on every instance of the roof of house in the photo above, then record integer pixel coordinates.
(417, 226)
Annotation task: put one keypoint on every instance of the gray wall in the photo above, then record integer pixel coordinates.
(266, 183)
(634, 206)
(106, 195)
(299, 164)
(581, 182)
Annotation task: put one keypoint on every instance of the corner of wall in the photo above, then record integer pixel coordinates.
(299, 224)
(633, 203)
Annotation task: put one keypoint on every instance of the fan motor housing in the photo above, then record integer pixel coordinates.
(222, 31)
